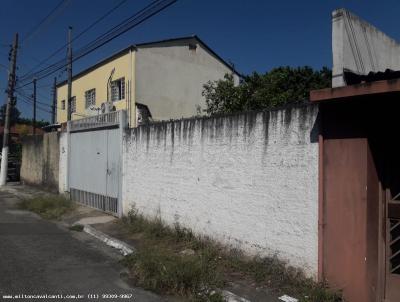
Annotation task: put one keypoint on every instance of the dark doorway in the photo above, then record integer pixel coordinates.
(383, 142)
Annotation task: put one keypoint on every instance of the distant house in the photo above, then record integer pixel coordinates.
(159, 80)
(18, 130)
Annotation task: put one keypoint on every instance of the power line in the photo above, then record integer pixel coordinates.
(4, 66)
(36, 28)
(78, 36)
(87, 46)
(29, 97)
(42, 96)
(45, 86)
(41, 106)
(149, 11)
(27, 101)
(26, 97)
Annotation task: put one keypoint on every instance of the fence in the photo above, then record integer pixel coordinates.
(94, 122)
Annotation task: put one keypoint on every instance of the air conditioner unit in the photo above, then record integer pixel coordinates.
(107, 107)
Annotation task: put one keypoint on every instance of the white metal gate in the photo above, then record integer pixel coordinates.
(94, 168)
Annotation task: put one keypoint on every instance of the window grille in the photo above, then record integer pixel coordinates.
(63, 105)
(118, 90)
(394, 252)
(90, 98)
(394, 235)
(73, 104)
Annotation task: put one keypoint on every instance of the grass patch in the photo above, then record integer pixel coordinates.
(173, 260)
(76, 228)
(48, 206)
(163, 271)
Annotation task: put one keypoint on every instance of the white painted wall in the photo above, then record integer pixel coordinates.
(170, 77)
(62, 168)
(360, 47)
(249, 180)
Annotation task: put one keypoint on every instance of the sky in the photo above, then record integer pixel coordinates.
(254, 35)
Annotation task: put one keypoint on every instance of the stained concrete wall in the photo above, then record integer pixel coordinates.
(247, 180)
(40, 160)
(360, 47)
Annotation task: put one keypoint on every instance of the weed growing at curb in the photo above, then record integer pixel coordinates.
(48, 206)
(173, 260)
(163, 271)
(76, 228)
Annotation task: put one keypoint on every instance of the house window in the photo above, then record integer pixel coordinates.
(63, 105)
(73, 104)
(90, 98)
(118, 90)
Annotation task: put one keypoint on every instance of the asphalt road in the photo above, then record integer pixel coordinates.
(42, 257)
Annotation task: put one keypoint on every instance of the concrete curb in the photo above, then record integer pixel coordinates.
(124, 248)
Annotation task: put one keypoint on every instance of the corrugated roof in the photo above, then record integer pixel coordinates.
(353, 78)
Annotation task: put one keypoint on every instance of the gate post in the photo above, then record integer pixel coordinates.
(122, 127)
(67, 174)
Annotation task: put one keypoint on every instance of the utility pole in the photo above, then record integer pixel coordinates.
(69, 73)
(34, 108)
(53, 107)
(10, 101)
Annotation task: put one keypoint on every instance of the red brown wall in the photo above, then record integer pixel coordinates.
(350, 203)
(345, 166)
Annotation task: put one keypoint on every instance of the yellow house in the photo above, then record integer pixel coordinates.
(159, 80)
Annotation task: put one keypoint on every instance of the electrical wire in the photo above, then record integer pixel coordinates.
(40, 105)
(91, 44)
(30, 97)
(30, 102)
(52, 13)
(77, 36)
(4, 66)
(144, 14)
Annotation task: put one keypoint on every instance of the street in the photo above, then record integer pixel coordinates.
(39, 257)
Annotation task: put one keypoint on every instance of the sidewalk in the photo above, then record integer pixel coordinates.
(108, 229)
(39, 257)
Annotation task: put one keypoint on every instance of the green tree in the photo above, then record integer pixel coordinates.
(17, 119)
(280, 86)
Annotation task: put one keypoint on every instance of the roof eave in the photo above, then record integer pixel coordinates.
(363, 89)
(136, 46)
